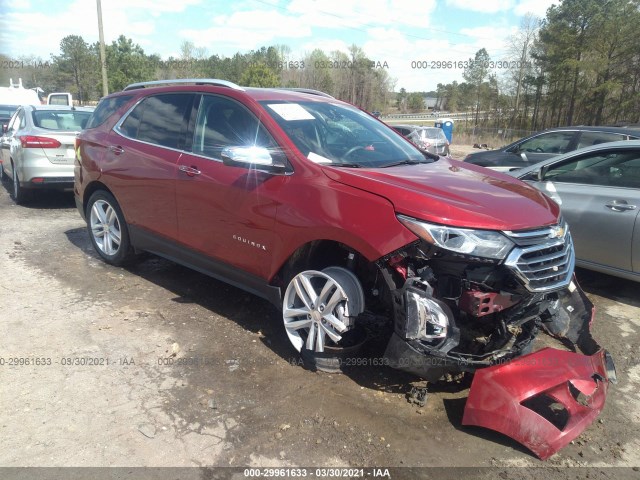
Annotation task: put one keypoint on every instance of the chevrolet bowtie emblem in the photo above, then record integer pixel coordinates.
(557, 232)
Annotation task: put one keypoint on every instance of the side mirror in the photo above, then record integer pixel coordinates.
(542, 173)
(258, 158)
(524, 157)
(5, 128)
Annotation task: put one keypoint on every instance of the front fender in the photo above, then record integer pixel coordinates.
(363, 221)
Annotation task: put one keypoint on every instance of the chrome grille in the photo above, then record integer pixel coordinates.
(543, 261)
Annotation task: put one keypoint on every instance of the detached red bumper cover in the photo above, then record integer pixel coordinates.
(542, 400)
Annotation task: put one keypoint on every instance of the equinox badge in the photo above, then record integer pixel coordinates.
(249, 242)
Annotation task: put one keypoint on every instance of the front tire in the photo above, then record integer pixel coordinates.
(319, 311)
(108, 229)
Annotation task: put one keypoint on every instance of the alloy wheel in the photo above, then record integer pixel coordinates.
(105, 227)
(319, 307)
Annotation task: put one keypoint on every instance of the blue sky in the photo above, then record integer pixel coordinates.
(393, 31)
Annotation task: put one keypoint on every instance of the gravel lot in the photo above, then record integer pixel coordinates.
(116, 383)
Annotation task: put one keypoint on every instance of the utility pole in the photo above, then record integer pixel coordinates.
(103, 56)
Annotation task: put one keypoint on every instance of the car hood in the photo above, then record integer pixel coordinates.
(488, 155)
(454, 193)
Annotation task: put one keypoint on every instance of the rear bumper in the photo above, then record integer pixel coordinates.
(542, 400)
(58, 183)
(39, 172)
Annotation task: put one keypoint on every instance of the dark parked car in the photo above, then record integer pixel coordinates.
(431, 139)
(348, 228)
(549, 143)
(598, 189)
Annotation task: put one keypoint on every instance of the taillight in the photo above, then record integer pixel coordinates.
(76, 149)
(31, 141)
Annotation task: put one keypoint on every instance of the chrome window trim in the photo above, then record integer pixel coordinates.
(116, 129)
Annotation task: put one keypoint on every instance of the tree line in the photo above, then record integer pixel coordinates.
(580, 65)
(350, 76)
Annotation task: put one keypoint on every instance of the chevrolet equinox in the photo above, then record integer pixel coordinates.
(337, 220)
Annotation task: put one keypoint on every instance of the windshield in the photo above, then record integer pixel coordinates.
(70, 120)
(341, 135)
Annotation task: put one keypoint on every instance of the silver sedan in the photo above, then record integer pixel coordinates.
(598, 189)
(37, 148)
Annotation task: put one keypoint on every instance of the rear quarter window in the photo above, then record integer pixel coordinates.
(106, 108)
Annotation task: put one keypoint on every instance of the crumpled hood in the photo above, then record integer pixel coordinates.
(454, 193)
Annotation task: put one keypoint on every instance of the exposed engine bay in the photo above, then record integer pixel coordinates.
(459, 313)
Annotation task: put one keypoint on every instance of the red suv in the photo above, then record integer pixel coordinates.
(343, 224)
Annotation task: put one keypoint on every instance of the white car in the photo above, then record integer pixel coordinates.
(37, 148)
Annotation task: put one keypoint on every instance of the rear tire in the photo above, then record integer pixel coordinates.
(20, 195)
(108, 229)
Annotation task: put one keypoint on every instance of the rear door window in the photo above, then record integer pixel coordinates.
(159, 120)
(552, 142)
(606, 169)
(588, 139)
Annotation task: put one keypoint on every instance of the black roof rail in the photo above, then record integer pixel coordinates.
(307, 90)
(177, 81)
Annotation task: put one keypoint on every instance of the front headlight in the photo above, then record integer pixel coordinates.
(431, 323)
(479, 243)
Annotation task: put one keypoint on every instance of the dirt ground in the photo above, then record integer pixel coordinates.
(157, 365)
(458, 152)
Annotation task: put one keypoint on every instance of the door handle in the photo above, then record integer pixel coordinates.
(190, 171)
(620, 206)
(116, 149)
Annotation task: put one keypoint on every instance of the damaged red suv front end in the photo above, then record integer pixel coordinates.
(481, 300)
(349, 229)
(475, 318)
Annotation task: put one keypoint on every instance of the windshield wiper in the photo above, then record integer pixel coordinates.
(404, 162)
(432, 156)
(348, 165)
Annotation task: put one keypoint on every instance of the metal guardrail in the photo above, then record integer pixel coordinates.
(431, 116)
